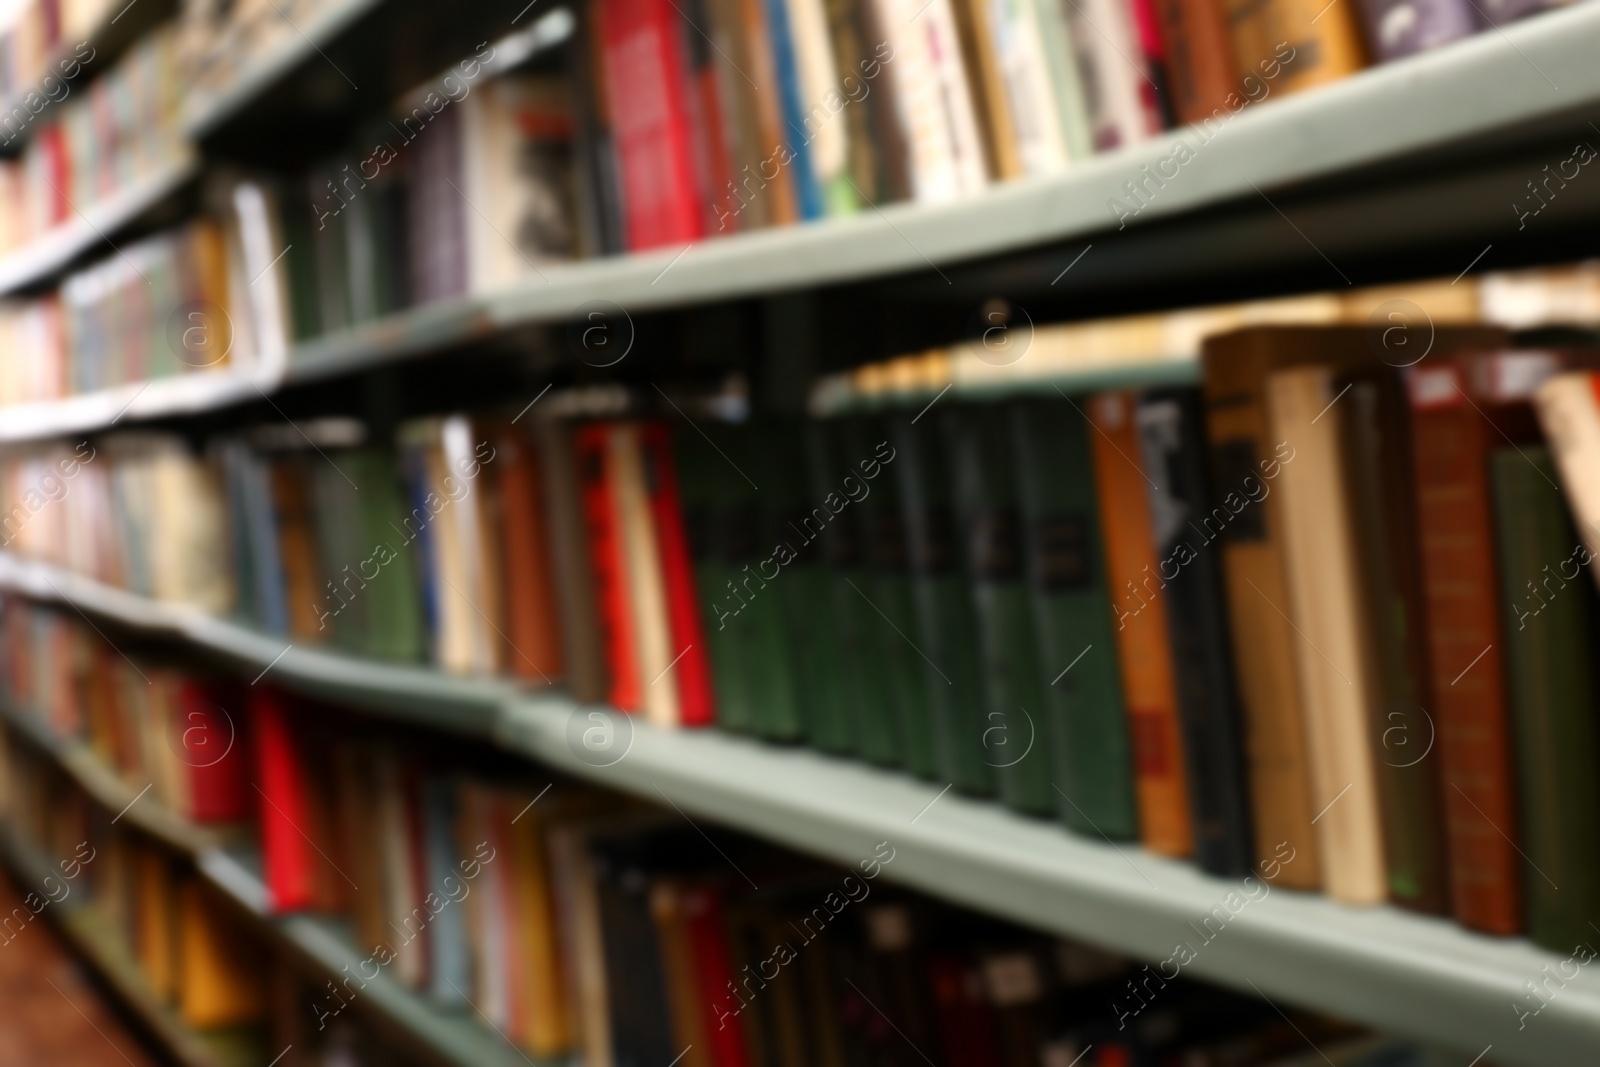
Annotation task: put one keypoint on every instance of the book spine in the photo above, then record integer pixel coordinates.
(1313, 46)
(1143, 652)
(1172, 449)
(607, 563)
(1397, 28)
(1465, 650)
(1201, 67)
(1549, 635)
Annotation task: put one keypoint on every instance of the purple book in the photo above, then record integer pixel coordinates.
(1397, 28)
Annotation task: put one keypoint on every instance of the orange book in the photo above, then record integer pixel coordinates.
(220, 982)
(1143, 654)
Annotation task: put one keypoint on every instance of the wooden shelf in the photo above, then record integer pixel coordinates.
(1421, 977)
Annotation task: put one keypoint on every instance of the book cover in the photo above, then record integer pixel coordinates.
(691, 672)
(607, 560)
(1569, 414)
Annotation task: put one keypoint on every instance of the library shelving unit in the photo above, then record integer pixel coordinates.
(1407, 165)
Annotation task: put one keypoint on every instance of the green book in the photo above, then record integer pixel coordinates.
(336, 514)
(1016, 739)
(946, 627)
(394, 625)
(767, 621)
(865, 725)
(1551, 651)
(1072, 614)
(710, 502)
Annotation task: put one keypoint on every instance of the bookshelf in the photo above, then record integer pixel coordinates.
(1465, 100)
(1422, 977)
(324, 946)
(90, 229)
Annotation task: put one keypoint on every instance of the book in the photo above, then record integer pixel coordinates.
(945, 623)
(1201, 68)
(1172, 453)
(607, 548)
(1569, 414)
(1142, 647)
(533, 632)
(217, 984)
(288, 855)
(1300, 46)
(1339, 690)
(1397, 28)
(1116, 76)
(642, 578)
(1068, 564)
(576, 590)
(1548, 627)
(1379, 494)
(1017, 738)
(642, 64)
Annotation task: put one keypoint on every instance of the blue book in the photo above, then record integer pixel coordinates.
(451, 970)
(807, 191)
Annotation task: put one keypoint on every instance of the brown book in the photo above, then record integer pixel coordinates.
(303, 587)
(987, 82)
(533, 629)
(1295, 44)
(1247, 521)
(1377, 450)
(677, 965)
(1201, 68)
(585, 660)
(1334, 661)
(1144, 654)
(776, 188)
(1461, 410)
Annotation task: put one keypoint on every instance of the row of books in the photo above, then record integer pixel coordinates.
(114, 132)
(156, 309)
(1147, 614)
(36, 50)
(155, 913)
(579, 923)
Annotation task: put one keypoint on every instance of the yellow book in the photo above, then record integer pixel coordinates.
(154, 937)
(220, 982)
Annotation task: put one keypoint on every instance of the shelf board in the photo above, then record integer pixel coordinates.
(38, 260)
(1470, 94)
(1412, 975)
(91, 937)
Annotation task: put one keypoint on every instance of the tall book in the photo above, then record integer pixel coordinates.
(1172, 452)
(946, 626)
(1459, 410)
(532, 616)
(643, 581)
(576, 594)
(1017, 738)
(691, 672)
(1069, 564)
(1142, 648)
(1339, 689)
(1379, 494)
(1121, 101)
(1550, 645)
(607, 558)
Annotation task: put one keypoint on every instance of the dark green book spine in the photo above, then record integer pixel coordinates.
(775, 694)
(1072, 615)
(946, 628)
(861, 712)
(712, 509)
(395, 628)
(1551, 651)
(1016, 739)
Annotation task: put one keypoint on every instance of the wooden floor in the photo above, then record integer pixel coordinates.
(50, 1014)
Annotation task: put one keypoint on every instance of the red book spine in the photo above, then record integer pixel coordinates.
(1455, 534)
(713, 968)
(606, 554)
(211, 746)
(285, 852)
(696, 705)
(648, 93)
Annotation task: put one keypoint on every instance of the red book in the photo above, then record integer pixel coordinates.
(606, 554)
(1451, 441)
(642, 61)
(966, 1026)
(211, 745)
(696, 705)
(713, 968)
(286, 855)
